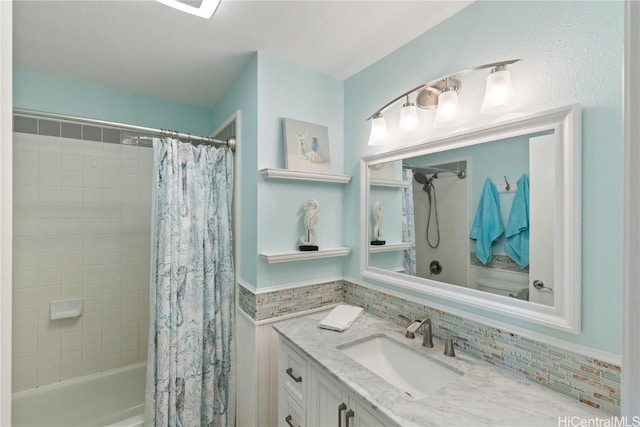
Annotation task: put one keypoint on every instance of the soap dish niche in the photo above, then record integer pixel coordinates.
(65, 308)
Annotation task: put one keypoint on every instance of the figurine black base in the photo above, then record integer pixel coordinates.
(308, 248)
(378, 242)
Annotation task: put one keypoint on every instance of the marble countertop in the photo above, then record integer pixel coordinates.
(483, 396)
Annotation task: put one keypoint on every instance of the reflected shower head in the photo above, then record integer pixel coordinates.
(420, 177)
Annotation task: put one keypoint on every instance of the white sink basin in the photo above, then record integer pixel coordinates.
(403, 367)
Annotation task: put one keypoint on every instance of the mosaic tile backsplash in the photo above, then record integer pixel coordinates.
(282, 302)
(585, 379)
(579, 377)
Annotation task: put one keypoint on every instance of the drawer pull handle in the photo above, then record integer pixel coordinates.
(341, 407)
(288, 420)
(290, 373)
(350, 414)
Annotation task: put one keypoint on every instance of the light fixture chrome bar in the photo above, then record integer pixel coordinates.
(437, 84)
(231, 142)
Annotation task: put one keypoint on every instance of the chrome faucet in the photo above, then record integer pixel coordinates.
(427, 334)
(427, 331)
(448, 345)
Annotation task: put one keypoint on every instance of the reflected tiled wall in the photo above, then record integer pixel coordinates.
(81, 229)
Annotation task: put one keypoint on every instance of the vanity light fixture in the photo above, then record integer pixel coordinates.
(379, 133)
(448, 112)
(206, 9)
(442, 94)
(409, 121)
(499, 96)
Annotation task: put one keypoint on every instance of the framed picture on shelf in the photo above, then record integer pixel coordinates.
(387, 170)
(306, 146)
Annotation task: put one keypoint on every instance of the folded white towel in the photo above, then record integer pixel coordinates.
(341, 318)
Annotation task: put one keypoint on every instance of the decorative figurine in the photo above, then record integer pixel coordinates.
(314, 154)
(302, 151)
(310, 220)
(377, 217)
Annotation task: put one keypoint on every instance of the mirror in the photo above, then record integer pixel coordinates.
(488, 217)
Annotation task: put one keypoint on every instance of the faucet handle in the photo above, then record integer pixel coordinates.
(448, 346)
(413, 327)
(410, 328)
(410, 332)
(405, 318)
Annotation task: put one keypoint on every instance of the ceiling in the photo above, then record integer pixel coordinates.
(146, 47)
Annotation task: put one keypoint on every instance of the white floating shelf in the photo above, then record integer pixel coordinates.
(389, 247)
(275, 257)
(389, 183)
(304, 176)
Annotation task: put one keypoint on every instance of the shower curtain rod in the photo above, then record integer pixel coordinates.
(430, 168)
(231, 142)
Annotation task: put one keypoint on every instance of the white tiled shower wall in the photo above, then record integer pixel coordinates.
(81, 229)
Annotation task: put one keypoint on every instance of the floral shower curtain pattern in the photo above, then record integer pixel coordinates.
(408, 224)
(190, 368)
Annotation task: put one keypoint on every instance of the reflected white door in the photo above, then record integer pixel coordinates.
(542, 208)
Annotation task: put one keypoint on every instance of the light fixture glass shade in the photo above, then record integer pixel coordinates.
(448, 113)
(409, 120)
(499, 96)
(205, 10)
(379, 133)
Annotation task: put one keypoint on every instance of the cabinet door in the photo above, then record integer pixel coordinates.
(289, 412)
(362, 417)
(293, 370)
(327, 405)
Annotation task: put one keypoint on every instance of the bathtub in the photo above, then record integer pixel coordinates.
(113, 398)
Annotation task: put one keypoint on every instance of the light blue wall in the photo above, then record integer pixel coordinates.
(242, 95)
(287, 90)
(42, 92)
(572, 53)
(266, 91)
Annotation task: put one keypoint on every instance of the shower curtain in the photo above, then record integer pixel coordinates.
(190, 370)
(408, 224)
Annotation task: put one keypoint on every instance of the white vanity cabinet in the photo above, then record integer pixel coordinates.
(316, 399)
(330, 405)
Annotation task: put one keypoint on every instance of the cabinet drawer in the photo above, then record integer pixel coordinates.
(290, 413)
(293, 372)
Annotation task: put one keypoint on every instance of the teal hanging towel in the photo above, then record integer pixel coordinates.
(487, 226)
(516, 244)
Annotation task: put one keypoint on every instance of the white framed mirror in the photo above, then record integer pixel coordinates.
(489, 217)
